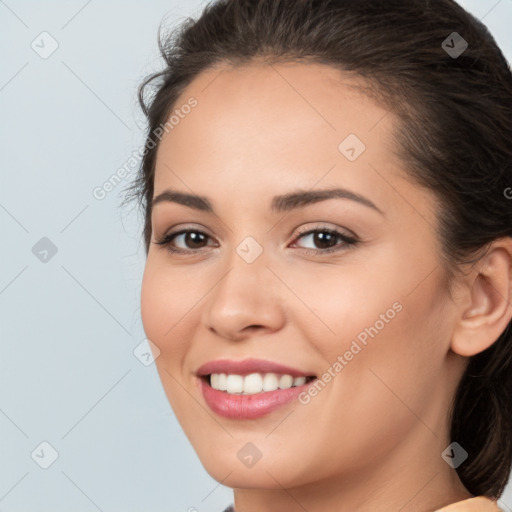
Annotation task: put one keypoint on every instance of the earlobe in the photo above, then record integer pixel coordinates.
(490, 310)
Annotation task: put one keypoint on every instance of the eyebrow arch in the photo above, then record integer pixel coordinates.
(283, 203)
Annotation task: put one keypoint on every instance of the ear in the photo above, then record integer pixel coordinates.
(489, 295)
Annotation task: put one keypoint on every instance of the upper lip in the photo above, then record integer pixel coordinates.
(247, 366)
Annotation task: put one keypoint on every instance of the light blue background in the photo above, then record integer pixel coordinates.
(69, 326)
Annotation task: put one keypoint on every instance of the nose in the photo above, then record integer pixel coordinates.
(247, 300)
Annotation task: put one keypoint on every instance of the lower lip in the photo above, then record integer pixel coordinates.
(247, 407)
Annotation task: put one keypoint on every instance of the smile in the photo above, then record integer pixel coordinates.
(251, 388)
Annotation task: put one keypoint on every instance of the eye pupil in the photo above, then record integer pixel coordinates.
(193, 237)
(322, 237)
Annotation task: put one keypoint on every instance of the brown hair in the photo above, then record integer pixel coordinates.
(455, 137)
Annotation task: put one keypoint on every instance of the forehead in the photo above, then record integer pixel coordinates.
(262, 123)
(270, 97)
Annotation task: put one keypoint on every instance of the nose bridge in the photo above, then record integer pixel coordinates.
(246, 271)
(250, 250)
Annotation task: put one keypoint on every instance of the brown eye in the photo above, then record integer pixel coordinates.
(327, 240)
(193, 239)
(189, 238)
(324, 240)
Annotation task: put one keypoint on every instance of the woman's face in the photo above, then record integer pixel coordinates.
(373, 314)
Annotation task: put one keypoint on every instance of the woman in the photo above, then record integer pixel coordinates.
(328, 227)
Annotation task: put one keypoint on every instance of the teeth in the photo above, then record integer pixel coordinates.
(235, 384)
(223, 382)
(270, 382)
(299, 381)
(253, 383)
(285, 381)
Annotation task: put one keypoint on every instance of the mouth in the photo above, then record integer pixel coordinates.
(251, 388)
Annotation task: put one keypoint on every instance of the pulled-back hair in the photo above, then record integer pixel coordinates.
(454, 137)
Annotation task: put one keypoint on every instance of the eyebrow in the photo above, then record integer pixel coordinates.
(280, 204)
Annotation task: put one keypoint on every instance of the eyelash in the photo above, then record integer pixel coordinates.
(348, 241)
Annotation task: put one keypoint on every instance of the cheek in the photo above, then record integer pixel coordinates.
(167, 312)
(341, 304)
(391, 334)
(167, 307)
(393, 377)
(152, 305)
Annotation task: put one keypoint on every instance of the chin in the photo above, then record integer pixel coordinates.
(247, 478)
(267, 473)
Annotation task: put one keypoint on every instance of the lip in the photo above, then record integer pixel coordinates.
(247, 366)
(246, 407)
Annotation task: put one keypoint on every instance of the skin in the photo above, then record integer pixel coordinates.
(372, 439)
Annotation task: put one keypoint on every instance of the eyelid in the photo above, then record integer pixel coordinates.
(323, 226)
(165, 238)
(348, 241)
(185, 227)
